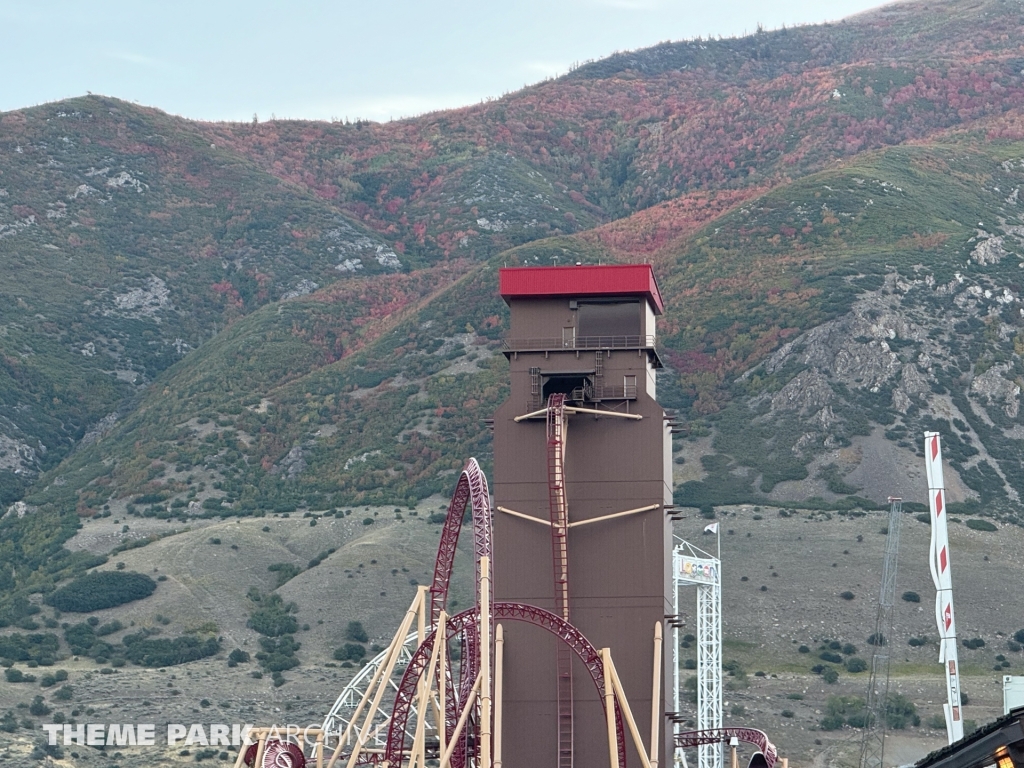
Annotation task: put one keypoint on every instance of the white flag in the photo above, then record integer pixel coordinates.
(711, 528)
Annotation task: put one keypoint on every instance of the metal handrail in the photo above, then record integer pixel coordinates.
(580, 342)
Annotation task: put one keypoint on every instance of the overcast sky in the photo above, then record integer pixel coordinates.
(373, 59)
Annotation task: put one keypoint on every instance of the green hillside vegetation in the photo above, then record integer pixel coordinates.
(218, 321)
(101, 589)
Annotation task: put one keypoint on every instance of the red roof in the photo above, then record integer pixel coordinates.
(610, 280)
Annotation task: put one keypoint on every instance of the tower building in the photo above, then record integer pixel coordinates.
(582, 479)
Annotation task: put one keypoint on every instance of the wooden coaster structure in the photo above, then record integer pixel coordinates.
(447, 706)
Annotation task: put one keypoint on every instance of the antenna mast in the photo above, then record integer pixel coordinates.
(872, 746)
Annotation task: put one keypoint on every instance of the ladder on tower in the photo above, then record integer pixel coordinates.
(872, 748)
(559, 515)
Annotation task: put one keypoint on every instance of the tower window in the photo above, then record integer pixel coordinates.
(609, 318)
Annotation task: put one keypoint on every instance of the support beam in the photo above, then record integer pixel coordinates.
(576, 409)
(425, 696)
(499, 672)
(485, 663)
(627, 713)
(344, 738)
(613, 515)
(543, 412)
(385, 678)
(470, 703)
(525, 517)
(656, 696)
(609, 708)
(596, 412)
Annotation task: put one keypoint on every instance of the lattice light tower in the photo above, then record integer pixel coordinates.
(693, 566)
(872, 749)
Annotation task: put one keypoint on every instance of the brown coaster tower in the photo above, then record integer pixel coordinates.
(582, 454)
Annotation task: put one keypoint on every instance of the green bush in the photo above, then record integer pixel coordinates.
(974, 643)
(350, 652)
(911, 597)
(832, 658)
(166, 652)
(40, 649)
(830, 675)
(855, 665)
(273, 617)
(38, 708)
(64, 693)
(981, 525)
(15, 675)
(285, 572)
(278, 654)
(101, 589)
(355, 632)
(900, 712)
(839, 710)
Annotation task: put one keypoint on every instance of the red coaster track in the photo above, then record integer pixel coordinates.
(472, 490)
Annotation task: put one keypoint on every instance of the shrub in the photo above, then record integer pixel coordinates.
(238, 656)
(974, 643)
(1013, 645)
(849, 649)
(355, 632)
(38, 708)
(847, 595)
(278, 654)
(788, 713)
(737, 710)
(830, 675)
(937, 722)
(350, 652)
(109, 628)
(803, 649)
(64, 693)
(840, 710)
(285, 572)
(1019, 636)
(877, 638)
(829, 656)
(855, 665)
(17, 676)
(911, 597)
(166, 652)
(981, 525)
(9, 723)
(917, 642)
(900, 712)
(101, 589)
(370, 520)
(273, 618)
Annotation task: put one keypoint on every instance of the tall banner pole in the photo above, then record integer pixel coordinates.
(939, 563)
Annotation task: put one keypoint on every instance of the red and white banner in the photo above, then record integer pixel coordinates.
(941, 567)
